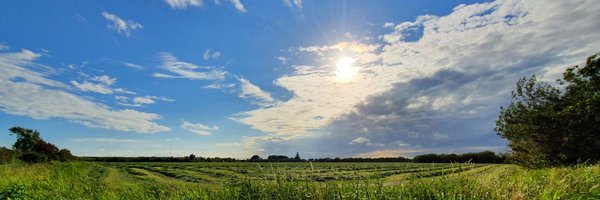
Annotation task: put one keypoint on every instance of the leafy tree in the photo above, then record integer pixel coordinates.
(26, 138)
(34, 149)
(280, 158)
(65, 155)
(555, 125)
(255, 157)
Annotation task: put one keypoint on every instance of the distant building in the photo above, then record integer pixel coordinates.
(297, 156)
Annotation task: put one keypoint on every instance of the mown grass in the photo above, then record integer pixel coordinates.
(85, 180)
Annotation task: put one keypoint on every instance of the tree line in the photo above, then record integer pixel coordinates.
(481, 157)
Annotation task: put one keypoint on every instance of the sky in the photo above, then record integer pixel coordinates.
(234, 78)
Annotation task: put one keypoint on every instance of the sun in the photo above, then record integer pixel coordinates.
(345, 69)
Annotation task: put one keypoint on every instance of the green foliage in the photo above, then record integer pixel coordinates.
(33, 149)
(15, 191)
(550, 126)
(65, 155)
(33, 157)
(6, 155)
(26, 138)
(481, 157)
(255, 158)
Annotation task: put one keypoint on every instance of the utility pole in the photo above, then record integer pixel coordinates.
(171, 148)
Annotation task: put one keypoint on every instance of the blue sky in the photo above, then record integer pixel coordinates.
(235, 78)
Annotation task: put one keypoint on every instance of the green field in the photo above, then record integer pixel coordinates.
(304, 180)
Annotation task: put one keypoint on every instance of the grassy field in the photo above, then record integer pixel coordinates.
(88, 180)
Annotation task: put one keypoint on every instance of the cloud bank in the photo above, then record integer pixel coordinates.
(26, 92)
(433, 84)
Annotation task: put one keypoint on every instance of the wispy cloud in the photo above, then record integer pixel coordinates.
(219, 86)
(181, 4)
(293, 3)
(99, 84)
(180, 69)
(199, 128)
(120, 25)
(254, 93)
(238, 5)
(140, 101)
(282, 59)
(50, 100)
(366, 141)
(208, 54)
(134, 66)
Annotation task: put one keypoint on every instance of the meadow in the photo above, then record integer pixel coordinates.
(300, 180)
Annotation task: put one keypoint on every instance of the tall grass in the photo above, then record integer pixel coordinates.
(81, 180)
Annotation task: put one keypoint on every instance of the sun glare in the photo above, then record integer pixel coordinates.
(345, 70)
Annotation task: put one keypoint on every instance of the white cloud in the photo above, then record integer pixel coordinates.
(134, 66)
(199, 128)
(219, 86)
(253, 92)
(140, 101)
(92, 87)
(238, 5)
(353, 47)
(520, 37)
(360, 140)
(187, 70)
(366, 141)
(120, 25)
(283, 60)
(181, 4)
(99, 84)
(143, 100)
(104, 79)
(28, 93)
(293, 3)
(121, 98)
(388, 25)
(208, 55)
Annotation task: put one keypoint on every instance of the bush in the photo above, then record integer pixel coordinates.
(6, 155)
(33, 157)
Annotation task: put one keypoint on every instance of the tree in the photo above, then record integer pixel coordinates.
(65, 155)
(192, 157)
(549, 125)
(255, 158)
(26, 138)
(34, 149)
(280, 158)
